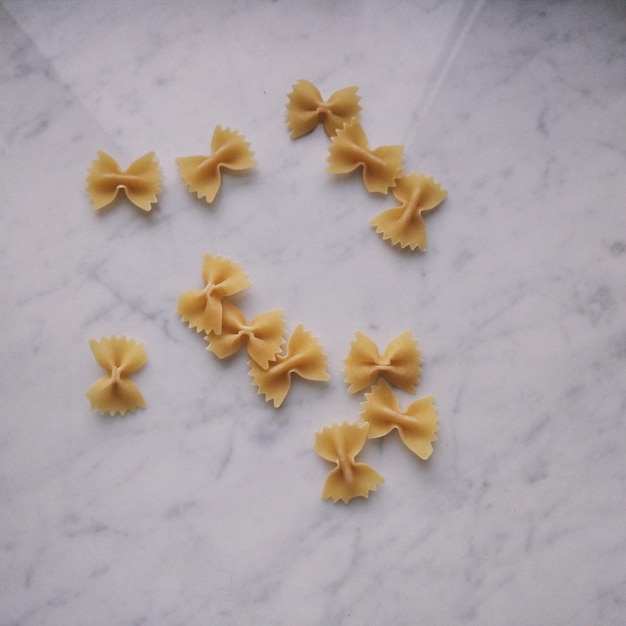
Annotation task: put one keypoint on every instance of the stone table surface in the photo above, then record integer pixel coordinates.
(205, 507)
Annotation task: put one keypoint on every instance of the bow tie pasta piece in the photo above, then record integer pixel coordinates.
(264, 335)
(202, 308)
(349, 150)
(118, 357)
(399, 363)
(304, 357)
(140, 182)
(202, 174)
(404, 225)
(306, 108)
(417, 425)
(340, 443)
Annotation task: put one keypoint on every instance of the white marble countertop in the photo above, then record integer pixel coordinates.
(206, 508)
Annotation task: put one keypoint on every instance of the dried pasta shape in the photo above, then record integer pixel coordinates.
(340, 443)
(404, 225)
(264, 335)
(349, 150)
(417, 425)
(140, 182)
(306, 108)
(202, 308)
(202, 174)
(118, 357)
(304, 357)
(399, 363)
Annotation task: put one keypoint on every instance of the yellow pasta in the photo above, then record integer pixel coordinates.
(118, 357)
(140, 182)
(417, 425)
(399, 363)
(404, 225)
(202, 308)
(340, 443)
(202, 174)
(264, 335)
(304, 357)
(306, 108)
(349, 150)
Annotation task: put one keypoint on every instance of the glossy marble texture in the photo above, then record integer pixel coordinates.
(206, 508)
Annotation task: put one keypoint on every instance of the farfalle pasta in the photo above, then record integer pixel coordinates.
(306, 109)
(340, 444)
(202, 308)
(304, 357)
(140, 182)
(226, 328)
(349, 150)
(263, 336)
(202, 174)
(417, 424)
(118, 357)
(404, 224)
(399, 363)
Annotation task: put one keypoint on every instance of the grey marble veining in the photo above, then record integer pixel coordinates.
(205, 507)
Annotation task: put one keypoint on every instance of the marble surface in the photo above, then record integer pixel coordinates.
(206, 508)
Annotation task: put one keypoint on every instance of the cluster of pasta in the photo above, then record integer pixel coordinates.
(226, 330)
(210, 310)
(141, 181)
(400, 365)
(417, 194)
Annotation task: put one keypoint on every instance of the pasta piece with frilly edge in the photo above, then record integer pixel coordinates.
(263, 336)
(202, 308)
(340, 443)
(304, 357)
(349, 150)
(306, 109)
(399, 363)
(118, 357)
(417, 425)
(404, 225)
(140, 182)
(202, 174)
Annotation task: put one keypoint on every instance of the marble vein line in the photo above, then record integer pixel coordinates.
(442, 68)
